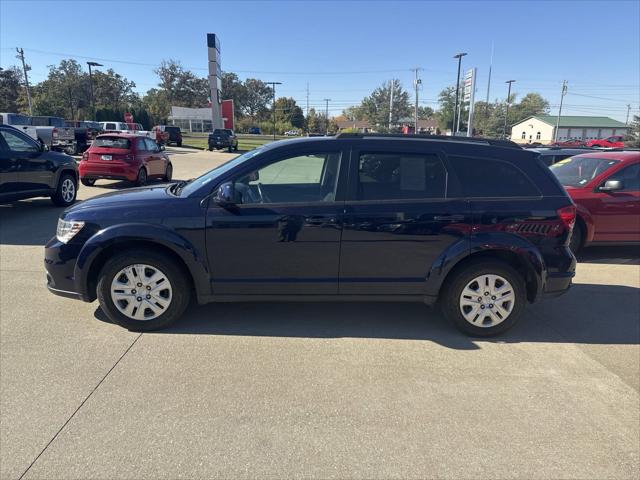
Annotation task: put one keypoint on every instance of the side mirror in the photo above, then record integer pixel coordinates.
(225, 195)
(611, 186)
(162, 148)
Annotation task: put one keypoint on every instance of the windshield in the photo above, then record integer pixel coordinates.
(211, 175)
(578, 171)
(112, 142)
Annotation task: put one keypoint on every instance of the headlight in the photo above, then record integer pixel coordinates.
(67, 229)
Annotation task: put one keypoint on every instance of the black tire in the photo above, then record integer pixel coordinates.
(179, 144)
(230, 149)
(168, 174)
(235, 149)
(142, 177)
(577, 238)
(458, 280)
(211, 149)
(180, 286)
(66, 191)
(88, 182)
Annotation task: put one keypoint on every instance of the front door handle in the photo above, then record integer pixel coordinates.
(319, 220)
(448, 218)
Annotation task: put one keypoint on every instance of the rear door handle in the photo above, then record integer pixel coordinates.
(448, 218)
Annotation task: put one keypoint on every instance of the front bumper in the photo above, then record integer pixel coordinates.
(59, 263)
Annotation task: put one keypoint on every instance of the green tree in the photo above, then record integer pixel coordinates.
(425, 113)
(446, 102)
(633, 136)
(112, 91)
(258, 97)
(234, 89)
(289, 112)
(182, 87)
(314, 122)
(531, 104)
(11, 89)
(375, 107)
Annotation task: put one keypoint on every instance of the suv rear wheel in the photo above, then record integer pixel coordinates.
(484, 298)
(142, 290)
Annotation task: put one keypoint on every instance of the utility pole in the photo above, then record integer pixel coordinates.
(564, 92)
(455, 108)
(93, 103)
(506, 113)
(307, 116)
(273, 86)
(391, 85)
(416, 83)
(628, 110)
(26, 78)
(326, 116)
(486, 107)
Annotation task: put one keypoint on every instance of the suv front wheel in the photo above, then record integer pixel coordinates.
(143, 290)
(484, 298)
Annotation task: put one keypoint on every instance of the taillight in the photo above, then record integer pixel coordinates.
(54, 133)
(568, 216)
(129, 157)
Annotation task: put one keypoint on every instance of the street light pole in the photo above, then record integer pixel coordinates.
(93, 103)
(455, 109)
(506, 114)
(416, 84)
(273, 86)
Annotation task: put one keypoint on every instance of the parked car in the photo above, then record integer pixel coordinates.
(615, 141)
(223, 138)
(85, 131)
(21, 122)
(255, 131)
(138, 129)
(28, 169)
(570, 142)
(124, 156)
(605, 186)
(551, 155)
(53, 132)
(291, 133)
(170, 134)
(479, 226)
(115, 127)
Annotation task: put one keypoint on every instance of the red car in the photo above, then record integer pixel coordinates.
(616, 141)
(122, 156)
(605, 186)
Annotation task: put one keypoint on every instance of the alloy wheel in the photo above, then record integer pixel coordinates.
(67, 190)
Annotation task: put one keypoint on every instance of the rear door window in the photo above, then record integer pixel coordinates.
(141, 145)
(396, 176)
(486, 178)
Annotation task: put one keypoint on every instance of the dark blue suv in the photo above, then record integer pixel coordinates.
(479, 226)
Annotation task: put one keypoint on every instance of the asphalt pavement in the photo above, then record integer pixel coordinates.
(321, 390)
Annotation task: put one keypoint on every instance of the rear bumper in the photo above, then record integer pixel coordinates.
(558, 283)
(92, 171)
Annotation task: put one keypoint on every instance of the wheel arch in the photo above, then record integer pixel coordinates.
(510, 249)
(102, 246)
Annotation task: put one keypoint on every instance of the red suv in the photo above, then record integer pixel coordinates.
(605, 186)
(616, 141)
(122, 156)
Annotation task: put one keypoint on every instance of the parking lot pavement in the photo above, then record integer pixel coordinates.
(313, 390)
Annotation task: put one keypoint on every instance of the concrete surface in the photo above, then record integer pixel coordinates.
(313, 390)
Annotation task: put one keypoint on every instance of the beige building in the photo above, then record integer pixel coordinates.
(541, 128)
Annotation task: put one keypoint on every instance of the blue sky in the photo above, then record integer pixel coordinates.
(346, 49)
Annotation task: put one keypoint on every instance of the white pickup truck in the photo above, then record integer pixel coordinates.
(122, 127)
(49, 131)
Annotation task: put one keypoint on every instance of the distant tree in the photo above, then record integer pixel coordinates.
(234, 89)
(353, 113)
(287, 111)
(531, 104)
(182, 87)
(314, 122)
(424, 113)
(446, 102)
(112, 90)
(259, 96)
(375, 107)
(633, 136)
(10, 89)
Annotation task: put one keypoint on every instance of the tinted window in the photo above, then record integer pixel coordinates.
(483, 177)
(151, 145)
(40, 121)
(630, 177)
(18, 143)
(110, 126)
(390, 176)
(112, 142)
(301, 178)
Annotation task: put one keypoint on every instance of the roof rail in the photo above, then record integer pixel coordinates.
(481, 140)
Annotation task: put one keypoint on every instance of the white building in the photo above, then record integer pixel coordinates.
(541, 128)
(191, 119)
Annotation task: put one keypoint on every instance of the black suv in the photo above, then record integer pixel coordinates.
(28, 169)
(480, 226)
(223, 138)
